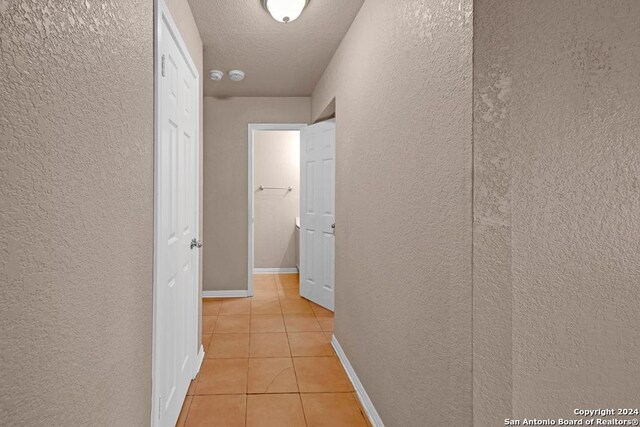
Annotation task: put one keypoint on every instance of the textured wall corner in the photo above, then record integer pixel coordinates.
(556, 207)
(492, 156)
(76, 206)
(401, 80)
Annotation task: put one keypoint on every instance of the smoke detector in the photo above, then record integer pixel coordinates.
(236, 75)
(216, 75)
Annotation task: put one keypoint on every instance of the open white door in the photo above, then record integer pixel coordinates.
(176, 259)
(317, 213)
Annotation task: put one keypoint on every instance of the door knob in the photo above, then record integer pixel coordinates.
(195, 243)
(333, 226)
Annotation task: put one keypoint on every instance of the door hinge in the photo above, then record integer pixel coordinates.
(160, 404)
(162, 65)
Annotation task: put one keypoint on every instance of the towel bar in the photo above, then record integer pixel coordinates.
(262, 187)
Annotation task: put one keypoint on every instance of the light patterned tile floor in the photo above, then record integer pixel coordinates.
(269, 362)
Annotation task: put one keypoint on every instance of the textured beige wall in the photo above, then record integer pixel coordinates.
(402, 83)
(557, 207)
(225, 180)
(76, 208)
(276, 164)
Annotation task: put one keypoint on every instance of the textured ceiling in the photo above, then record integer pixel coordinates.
(278, 59)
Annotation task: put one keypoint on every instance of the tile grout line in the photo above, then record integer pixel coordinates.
(304, 414)
(246, 389)
(246, 396)
(246, 407)
(186, 416)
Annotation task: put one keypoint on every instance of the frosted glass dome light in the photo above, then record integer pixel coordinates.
(285, 10)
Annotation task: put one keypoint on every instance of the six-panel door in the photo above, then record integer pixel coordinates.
(176, 281)
(317, 213)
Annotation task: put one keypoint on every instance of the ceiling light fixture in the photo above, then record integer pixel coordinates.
(285, 10)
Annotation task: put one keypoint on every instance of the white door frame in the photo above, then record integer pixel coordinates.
(161, 14)
(251, 129)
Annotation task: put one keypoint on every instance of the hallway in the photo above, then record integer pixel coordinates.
(269, 362)
(464, 187)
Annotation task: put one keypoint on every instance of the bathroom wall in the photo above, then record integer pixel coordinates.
(401, 80)
(225, 180)
(76, 213)
(557, 207)
(276, 164)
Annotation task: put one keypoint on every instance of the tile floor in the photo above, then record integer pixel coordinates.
(269, 362)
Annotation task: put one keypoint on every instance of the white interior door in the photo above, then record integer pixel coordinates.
(317, 213)
(175, 322)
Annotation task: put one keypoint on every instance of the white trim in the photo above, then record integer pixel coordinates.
(251, 128)
(225, 294)
(199, 361)
(276, 270)
(162, 13)
(367, 405)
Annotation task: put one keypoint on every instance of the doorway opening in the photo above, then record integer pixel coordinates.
(291, 218)
(274, 200)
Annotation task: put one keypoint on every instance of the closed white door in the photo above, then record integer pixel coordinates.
(176, 216)
(317, 213)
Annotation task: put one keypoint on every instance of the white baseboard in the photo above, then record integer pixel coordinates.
(224, 294)
(199, 360)
(290, 270)
(374, 418)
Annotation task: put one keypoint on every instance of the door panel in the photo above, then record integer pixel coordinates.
(328, 255)
(176, 305)
(328, 171)
(317, 242)
(309, 256)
